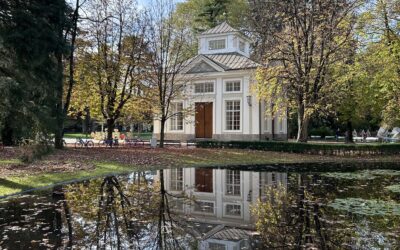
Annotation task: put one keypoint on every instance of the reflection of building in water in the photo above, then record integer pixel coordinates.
(221, 199)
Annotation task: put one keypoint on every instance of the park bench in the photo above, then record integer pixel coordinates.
(134, 142)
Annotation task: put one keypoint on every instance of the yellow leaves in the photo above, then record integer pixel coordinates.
(270, 87)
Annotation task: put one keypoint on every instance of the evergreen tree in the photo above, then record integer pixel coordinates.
(213, 12)
(32, 42)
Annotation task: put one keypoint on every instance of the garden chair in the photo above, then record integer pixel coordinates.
(382, 133)
(394, 135)
(356, 137)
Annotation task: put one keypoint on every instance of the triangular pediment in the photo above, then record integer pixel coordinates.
(201, 67)
(202, 64)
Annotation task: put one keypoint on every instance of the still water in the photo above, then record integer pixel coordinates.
(264, 207)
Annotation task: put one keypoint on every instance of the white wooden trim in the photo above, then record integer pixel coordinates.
(204, 59)
(232, 203)
(203, 81)
(224, 114)
(224, 185)
(229, 80)
(181, 131)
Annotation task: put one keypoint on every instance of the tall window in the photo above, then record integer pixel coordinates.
(177, 119)
(232, 182)
(241, 46)
(232, 115)
(176, 179)
(232, 86)
(216, 44)
(280, 125)
(204, 87)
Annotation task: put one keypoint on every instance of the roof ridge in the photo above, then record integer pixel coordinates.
(223, 27)
(231, 53)
(218, 63)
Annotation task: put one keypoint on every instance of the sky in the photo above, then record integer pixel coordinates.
(147, 2)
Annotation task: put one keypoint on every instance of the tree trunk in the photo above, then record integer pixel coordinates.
(59, 130)
(302, 121)
(58, 135)
(162, 132)
(7, 133)
(110, 128)
(349, 132)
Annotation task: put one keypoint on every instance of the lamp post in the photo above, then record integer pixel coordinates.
(249, 100)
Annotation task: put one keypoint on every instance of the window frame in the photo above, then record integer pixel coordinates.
(232, 184)
(234, 204)
(203, 82)
(173, 120)
(202, 212)
(225, 128)
(233, 80)
(176, 181)
(215, 40)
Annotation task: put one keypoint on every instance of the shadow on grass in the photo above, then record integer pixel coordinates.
(13, 185)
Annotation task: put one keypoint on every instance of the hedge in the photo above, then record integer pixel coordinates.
(307, 148)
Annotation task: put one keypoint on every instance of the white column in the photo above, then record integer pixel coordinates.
(246, 123)
(218, 106)
(156, 126)
(246, 189)
(256, 115)
(219, 192)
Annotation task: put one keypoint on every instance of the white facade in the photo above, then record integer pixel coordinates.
(223, 197)
(221, 79)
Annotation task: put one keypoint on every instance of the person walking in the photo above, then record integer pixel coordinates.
(337, 134)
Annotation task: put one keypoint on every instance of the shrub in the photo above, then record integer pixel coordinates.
(30, 153)
(321, 131)
(307, 148)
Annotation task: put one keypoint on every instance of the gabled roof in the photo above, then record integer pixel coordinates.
(232, 61)
(222, 62)
(219, 29)
(232, 234)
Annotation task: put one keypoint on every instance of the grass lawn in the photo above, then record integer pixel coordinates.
(144, 136)
(15, 184)
(75, 135)
(71, 164)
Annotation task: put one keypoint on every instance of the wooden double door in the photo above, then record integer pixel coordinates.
(204, 119)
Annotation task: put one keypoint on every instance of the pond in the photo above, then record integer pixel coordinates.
(264, 207)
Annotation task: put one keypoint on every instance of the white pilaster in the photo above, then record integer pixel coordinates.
(246, 123)
(218, 106)
(219, 192)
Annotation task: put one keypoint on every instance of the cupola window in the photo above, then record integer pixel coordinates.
(216, 44)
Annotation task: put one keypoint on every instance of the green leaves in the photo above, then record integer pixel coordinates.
(393, 188)
(367, 207)
(362, 175)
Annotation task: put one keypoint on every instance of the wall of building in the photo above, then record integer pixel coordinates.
(252, 186)
(231, 43)
(250, 114)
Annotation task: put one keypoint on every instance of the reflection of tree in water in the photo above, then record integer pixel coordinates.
(61, 206)
(128, 214)
(296, 221)
(172, 230)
